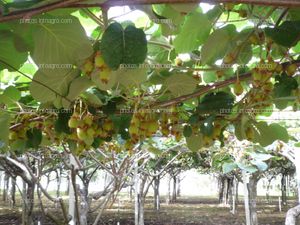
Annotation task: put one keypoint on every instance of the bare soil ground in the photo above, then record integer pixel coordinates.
(186, 211)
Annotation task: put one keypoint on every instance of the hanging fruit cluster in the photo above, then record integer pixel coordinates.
(143, 125)
(216, 133)
(26, 122)
(96, 64)
(20, 131)
(260, 96)
(169, 123)
(262, 74)
(86, 128)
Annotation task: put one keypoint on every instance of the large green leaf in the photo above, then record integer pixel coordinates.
(34, 138)
(217, 44)
(283, 88)
(131, 77)
(262, 166)
(246, 167)
(58, 82)
(10, 95)
(287, 34)
(191, 36)
(216, 102)
(59, 45)
(245, 54)
(120, 46)
(294, 13)
(9, 54)
(77, 86)
(158, 52)
(92, 98)
(173, 16)
(180, 84)
(260, 156)
(266, 134)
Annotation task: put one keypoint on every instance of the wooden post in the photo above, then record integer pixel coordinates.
(72, 201)
(246, 197)
(136, 195)
(279, 204)
(297, 164)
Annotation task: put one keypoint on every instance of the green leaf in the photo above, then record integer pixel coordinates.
(207, 125)
(180, 84)
(34, 138)
(283, 88)
(18, 146)
(131, 77)
(165, 11)
(216, 102)
(9, 54)
(247, 168)
(297, 145)
(120, 46)
(214, 13)
(240, 126)
(279, 34)
(262, 166)
(157, 52)
(10, 95)
(61, 124)
(77, 86)
(284, 85)
(266, 134)
(294, 13)
(209, 76)
(187, 131)
(92, 99)
(58, 46)
(217, 44)
(228, 167)
(4, 131)
(58, 82)
(184, 8)
(194, 142)
(260, 156)
(191, 36)
(245, 54)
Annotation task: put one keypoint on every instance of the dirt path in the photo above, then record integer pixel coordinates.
(186, 211)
